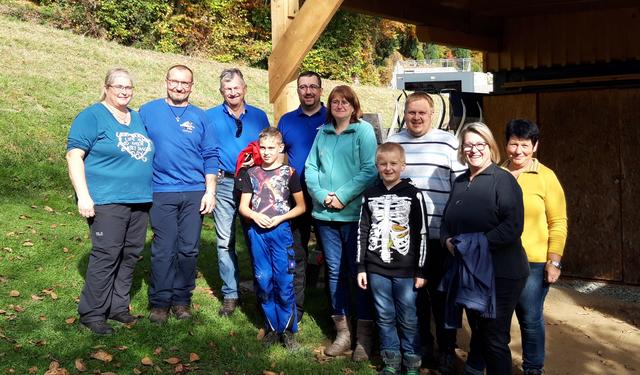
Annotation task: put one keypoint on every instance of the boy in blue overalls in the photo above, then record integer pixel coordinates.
(265, 201)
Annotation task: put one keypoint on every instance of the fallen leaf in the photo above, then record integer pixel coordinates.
(172, 360)
(53, 295)
(136, 371)
(121, 347)
(42, 318)
(23, 217)
(34, 206)
(18, 308)
(267, 372)
(178, 369)
(32, 370)
(36, 298)
(157, 350)
(27, 243)
(70, 320)
(40, 343)
(103, 356)
(146, 361)
(7, 249)
(14, 293)
(65, 249)
(2, 312)
(108, 373)
(54, 226)
(232, 333)
(193, 357)
(80, 366)
(48, 209)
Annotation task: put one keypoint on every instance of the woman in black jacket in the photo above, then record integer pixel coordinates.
(487, 199)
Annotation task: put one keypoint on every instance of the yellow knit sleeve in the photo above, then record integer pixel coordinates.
(556, 210)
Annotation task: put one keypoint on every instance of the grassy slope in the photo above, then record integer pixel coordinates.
(47, 77)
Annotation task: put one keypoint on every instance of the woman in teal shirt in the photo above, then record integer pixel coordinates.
(340, 166)
(110, 166)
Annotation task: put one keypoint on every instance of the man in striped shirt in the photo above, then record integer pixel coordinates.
(432, 165)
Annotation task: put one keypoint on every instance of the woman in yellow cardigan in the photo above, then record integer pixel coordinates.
(543, 237)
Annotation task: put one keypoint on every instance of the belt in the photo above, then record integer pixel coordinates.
(228, 174)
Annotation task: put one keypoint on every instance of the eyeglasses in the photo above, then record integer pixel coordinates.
(238, 127)
(336, 102)
(121, 88)
(467, 147)
(418, 114)
(308, 87)
(172, 83)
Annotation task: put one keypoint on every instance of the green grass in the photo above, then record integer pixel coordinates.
(47, 77)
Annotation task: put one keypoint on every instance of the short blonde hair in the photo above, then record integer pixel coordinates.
(111, 77)
(389, 147)
(483, 131)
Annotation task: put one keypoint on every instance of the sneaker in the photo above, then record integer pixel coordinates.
(228, 307)
(271, 338)
(290, 342)
(159, 315)
(532, 371)
(123, 317)
(446, 364)
(99, 328)
(181, 312)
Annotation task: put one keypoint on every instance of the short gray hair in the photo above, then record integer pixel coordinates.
(111, 76)
(228, 75)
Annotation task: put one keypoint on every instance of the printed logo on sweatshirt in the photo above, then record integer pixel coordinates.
(135, 144)
(187, 127)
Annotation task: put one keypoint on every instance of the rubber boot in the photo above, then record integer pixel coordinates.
(412, 363)
(391, 362)
(364, 345)
(342, 342)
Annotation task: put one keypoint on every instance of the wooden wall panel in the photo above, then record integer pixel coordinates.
(629, 112)
(498, 110)
(580, 142)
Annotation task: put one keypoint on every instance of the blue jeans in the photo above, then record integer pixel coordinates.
(224, 216)
(395, 302)
(531, 318)
(176, 222)
(339, 242)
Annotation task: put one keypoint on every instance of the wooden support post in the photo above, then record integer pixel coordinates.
(292, 39)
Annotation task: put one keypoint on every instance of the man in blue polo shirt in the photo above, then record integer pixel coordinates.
(183, 191)
(235, 124)
(299, 128)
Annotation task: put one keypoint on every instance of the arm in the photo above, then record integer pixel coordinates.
(262, 220)
(420, 239)
(510, 212)
(298, 210)
(367, 172)
(363, 242)
(75, 162)
(208, 201)
(312, 172)
(556, 210)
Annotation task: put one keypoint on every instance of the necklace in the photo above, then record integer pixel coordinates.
(178, 116)
(124, 119)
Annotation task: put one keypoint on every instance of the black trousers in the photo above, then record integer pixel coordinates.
(431, 301)
(301, 229)
(118, 233)
(490, 338)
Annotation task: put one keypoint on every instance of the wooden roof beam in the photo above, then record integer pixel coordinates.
(301, 34)
(455, 38)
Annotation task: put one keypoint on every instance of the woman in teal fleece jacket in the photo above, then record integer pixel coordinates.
(340, 166)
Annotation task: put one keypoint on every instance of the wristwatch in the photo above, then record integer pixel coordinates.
(555, 263)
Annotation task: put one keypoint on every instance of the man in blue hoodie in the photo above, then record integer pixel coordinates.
(183, 191)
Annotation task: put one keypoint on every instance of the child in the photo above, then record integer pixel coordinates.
(265, 202)
(391, 256)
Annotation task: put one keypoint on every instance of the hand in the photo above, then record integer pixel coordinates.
(450, 246)
(262, 220)
(362, 280)
(248, 163)
(327, 200)
(336, 204)
(552, 273)
(85, 207)
(207, 203)
(419, 282)
(275, 221)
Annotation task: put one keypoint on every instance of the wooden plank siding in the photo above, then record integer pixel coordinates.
(567, 39)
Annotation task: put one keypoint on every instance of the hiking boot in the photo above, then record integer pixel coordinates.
(391, 362)
(270, 338)
(446, 364)
(364, 343)
(124, 317)
(181, 312)
(228, 307)
(290, 342)
(159, 315)
(412, 363)
(342, 342)
(99, 328)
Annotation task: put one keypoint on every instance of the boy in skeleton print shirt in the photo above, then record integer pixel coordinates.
(392, 242)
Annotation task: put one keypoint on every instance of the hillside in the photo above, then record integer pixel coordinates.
(47, 77)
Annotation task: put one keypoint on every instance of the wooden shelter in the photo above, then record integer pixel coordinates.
(573, 66)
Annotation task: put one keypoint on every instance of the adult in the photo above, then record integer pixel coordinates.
(299, 128)
(109, 156)
(486, 199)
(340, 166)
(235, 124)
(432, 165)
(183, 191)
(543, 237)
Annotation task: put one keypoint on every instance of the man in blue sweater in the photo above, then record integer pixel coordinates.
(183, 191)
(299, 128)
(235, 124)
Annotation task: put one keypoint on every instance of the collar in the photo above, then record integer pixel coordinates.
(532, 168)
(301, 113)
(229, 112)
(329, 128)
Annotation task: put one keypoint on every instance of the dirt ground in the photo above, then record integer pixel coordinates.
(585, 334)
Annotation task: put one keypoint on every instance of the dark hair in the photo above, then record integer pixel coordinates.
(349, 95)
(523, 129)
(310, 73)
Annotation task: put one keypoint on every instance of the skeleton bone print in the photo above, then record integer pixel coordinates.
(389, 225)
